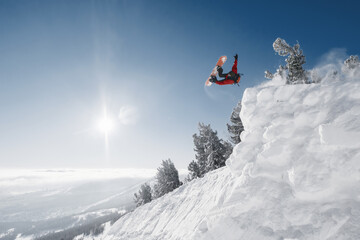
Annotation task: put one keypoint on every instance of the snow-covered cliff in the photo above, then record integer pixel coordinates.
(295, 175)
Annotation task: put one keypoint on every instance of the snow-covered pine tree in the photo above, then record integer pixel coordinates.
(167, 178)
(143, 196)
(137, 199)
(194, 171)
(228, 149)
(352, 62)
(279, 72)
(200, 155)
(217, 151)
(211, 152)
(294, 62)
(236, 126)
(269, 75)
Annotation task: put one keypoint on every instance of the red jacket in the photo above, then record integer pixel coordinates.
(227, 80)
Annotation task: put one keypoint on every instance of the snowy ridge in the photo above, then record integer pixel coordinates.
(295, 175)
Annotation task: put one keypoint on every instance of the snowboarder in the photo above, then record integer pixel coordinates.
(230, 78)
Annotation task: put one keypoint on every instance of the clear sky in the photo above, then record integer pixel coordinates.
(143, 63)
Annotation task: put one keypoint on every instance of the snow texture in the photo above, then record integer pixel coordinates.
(295, 175)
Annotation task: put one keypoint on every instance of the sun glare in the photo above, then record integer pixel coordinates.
(106, 125)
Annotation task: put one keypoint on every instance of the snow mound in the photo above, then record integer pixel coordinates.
(295, 175)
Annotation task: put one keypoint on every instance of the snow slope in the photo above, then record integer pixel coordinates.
(295, 175)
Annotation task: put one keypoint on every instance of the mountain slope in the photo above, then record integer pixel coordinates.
(295, 175)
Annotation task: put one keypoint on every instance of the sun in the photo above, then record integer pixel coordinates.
(106, 125)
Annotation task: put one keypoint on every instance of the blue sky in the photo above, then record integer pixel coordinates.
(63, 62)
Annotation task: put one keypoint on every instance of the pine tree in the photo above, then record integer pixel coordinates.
(352, 62)
(200, 155)
(215, 151)
(237, 126)
(279, 72)
(194, 171)
(167, 178)
(228, 149)
(269, 75)
(143, 196)
(210, 152)
(294, 62)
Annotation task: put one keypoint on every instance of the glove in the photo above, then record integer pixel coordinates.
(236, 56)
(212, 79)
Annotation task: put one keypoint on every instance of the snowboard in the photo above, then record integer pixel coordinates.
(219, 63)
